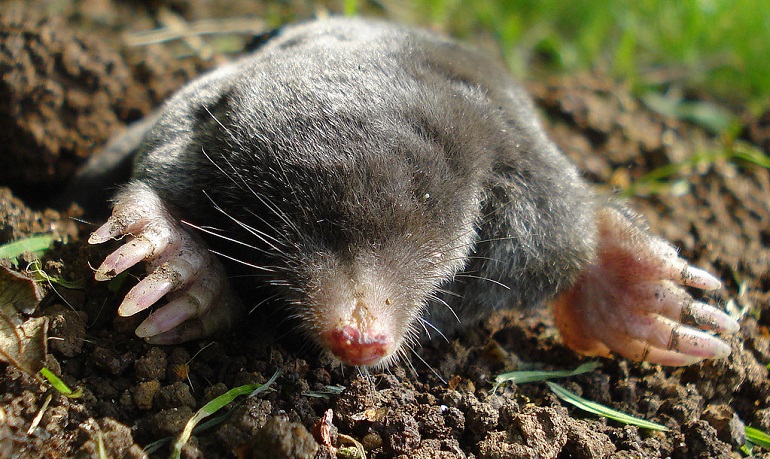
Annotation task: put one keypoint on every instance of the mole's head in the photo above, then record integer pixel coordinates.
(359, 237)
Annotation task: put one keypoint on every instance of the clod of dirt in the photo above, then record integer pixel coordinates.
(586, 441)
(280, 438)
(110, 437)
(59, 96)
(620, 135)
(247, 420)
(728, 425)
(110, 361)
(702, 442)
(436, 449)
(170, 422)
(176, 395)
(480, 417)
(535, 432)
(68, 328)
(151, 366)
(144, 394)
(683, 403)
(18, 221)
(64, 93)
(402, 433)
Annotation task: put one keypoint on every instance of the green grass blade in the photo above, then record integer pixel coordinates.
(37, 268)
(601, 410)
(758, 437)
(521, 377)
(215, 405)
(667, 174)
(34, 244)
(59, 385)
(350, 7)
(751, 154)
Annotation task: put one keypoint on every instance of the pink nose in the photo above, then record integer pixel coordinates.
(355, 348)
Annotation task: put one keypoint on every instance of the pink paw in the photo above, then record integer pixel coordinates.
(179, 267)
(630, 301)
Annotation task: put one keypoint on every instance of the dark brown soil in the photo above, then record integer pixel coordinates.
(69, 82)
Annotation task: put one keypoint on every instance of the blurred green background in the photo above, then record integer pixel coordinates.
(720, 48)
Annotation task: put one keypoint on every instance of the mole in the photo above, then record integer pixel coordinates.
(380, 182)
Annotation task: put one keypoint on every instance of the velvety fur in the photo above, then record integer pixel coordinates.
(350, 146)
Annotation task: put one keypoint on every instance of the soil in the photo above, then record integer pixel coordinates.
(70, 81)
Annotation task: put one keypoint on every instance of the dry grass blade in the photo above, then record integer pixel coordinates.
(244, 25)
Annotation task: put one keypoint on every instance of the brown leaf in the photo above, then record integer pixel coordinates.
(21, 292)
(22, 343)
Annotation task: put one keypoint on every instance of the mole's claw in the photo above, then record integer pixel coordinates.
(670, 300)
(698, 278)
(166, 318)
(223, 317)
(707, 317)
(642, 352)
(179, 266)
(679, 271)
(194, 301)
(662, 333)
(148, 291)
(124, 257)
(111, 229)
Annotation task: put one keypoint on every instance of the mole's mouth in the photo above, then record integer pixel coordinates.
(353, 347)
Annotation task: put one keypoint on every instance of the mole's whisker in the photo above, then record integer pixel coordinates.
(484, 279)
(261, 235)
(207, 230)
(225, 128)
(449, 292)
(433, 297)
(266, 300)
(427, 322)
(430, 367)
(245, 263)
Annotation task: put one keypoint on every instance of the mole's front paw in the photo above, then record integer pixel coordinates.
(180, 267)
(630, 301)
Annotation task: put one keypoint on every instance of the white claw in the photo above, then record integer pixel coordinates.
(104, 233)
(123, 258)
(194, 301)
(146, 293)
(698, 278)
(707, 317)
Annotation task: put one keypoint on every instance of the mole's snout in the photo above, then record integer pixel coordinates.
(360, 337)
(362, 348)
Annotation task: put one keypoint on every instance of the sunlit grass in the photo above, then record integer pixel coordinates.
(717, 46)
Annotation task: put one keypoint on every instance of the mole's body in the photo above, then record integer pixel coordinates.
(379, 180)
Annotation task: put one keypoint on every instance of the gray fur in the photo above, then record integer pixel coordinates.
(345, 140)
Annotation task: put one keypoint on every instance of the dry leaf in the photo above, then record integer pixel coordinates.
(22, 343)
(21, 292)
